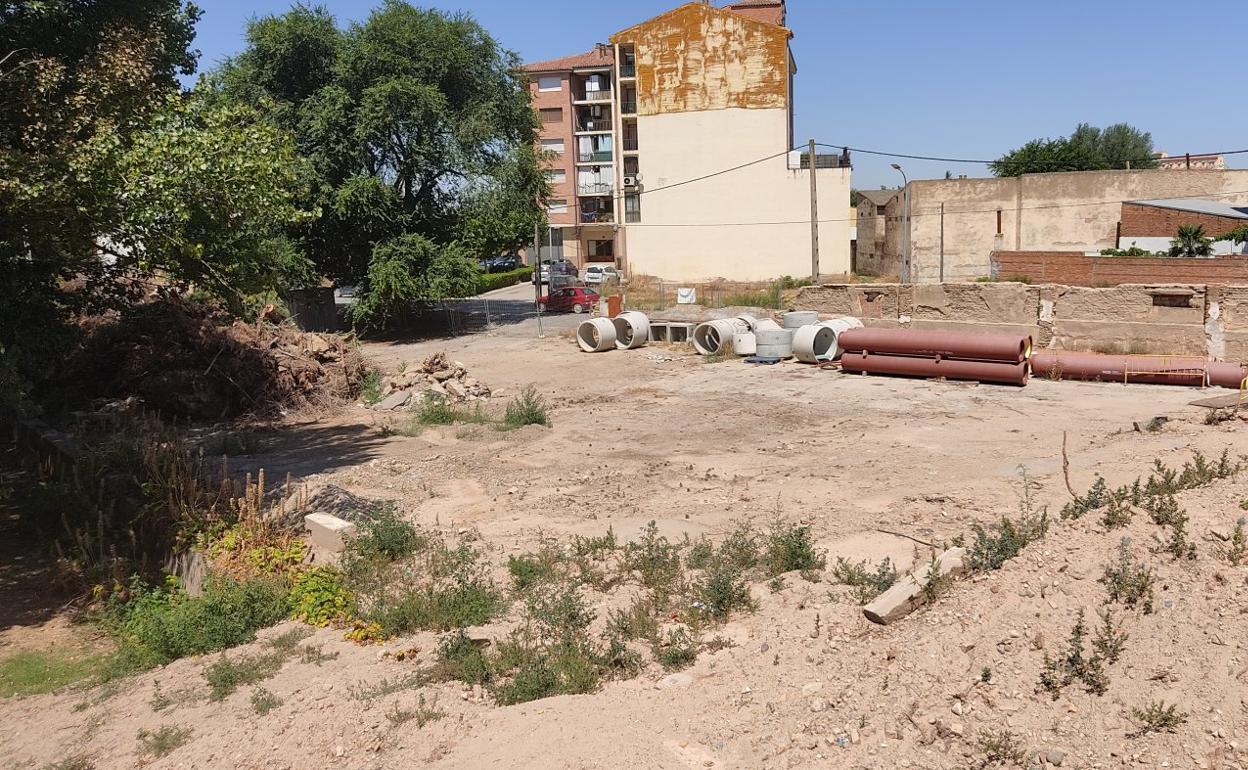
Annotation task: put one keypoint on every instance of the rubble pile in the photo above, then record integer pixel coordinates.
(436, 375)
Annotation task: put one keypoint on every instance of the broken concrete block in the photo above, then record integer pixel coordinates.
(906, 595)
(328, 532)
(455, 389)
(395, 400)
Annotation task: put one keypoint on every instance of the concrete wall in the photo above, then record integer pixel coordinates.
(748, 225)
(1194, 319)
(1077, 211)
(1075, 268)
(872, 256)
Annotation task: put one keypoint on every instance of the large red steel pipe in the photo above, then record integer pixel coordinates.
(1152, 370)
(951, 369)
(1011, 348)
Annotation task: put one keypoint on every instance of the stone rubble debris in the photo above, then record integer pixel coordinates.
(437, 376)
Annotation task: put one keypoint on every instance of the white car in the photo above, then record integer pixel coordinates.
(601, 274)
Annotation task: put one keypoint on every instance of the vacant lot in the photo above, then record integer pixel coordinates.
(874, 467)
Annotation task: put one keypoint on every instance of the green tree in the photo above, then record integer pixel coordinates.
(415, 122)
(1088, 148)
(1190, 241)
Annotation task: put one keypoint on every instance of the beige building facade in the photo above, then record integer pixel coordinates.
(954, 225)
(693, 176)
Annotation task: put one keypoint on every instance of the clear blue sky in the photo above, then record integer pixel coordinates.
(950, 78)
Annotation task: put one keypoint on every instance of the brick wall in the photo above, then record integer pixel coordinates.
(1075, 269)
(1144, 221)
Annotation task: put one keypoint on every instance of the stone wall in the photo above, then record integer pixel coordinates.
(1179, 319)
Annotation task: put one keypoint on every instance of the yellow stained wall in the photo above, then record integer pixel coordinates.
(698, 57)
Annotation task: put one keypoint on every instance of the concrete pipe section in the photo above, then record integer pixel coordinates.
(820, 342)
(796, 319)
(748, 320)
(1009, 348)
(713, 337)
(1004, 373)
(1148, 370)
(744, 344)
(597, 335)
(632, 330)
(774, 343)
(765, 325)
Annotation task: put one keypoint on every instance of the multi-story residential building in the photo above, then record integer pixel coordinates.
(672, 151)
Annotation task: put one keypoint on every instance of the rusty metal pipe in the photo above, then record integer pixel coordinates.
(1010, 348)
(1001, 372)
(1150, 370)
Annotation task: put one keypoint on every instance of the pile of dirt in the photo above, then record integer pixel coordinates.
(193, 360)
(437, 375)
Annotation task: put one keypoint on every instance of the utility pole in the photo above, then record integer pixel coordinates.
(537, 276)
(814, 217)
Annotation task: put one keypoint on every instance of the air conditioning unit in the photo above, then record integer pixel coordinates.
(630, 181)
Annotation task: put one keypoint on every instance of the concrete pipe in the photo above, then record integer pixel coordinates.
(744, 343)
(1009, 348)
(813, 343)
(796, 319)
(1004, 373)
(712, 337)
(765, 325)
(632, 330)
(597, 335)
(748, 320)
(839, 326)
(774, 343)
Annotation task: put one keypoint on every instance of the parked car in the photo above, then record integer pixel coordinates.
(576, 299)
(556, 267)
(601, 274)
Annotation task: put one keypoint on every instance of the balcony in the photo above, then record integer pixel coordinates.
(628, 70)
(602, 96)
(597, 156)
(628, 106)
(588, 125)
(595, 188)
(597, 217)
(630, 143)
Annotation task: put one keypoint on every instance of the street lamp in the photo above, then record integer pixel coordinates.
(905, 204)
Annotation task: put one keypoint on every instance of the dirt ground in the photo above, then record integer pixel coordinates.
(655, 434)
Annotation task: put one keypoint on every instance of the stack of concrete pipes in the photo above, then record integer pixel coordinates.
(997, 358)
(1154, 370)
(740, 335)
(802, 335)
(627, 331)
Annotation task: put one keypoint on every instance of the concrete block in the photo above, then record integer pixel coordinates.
(680, 332)
(328, 532)
(906, 595)
(658, 331)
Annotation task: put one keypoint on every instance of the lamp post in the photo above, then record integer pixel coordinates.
(905, 205)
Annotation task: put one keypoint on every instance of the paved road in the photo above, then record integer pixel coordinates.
(510, 310)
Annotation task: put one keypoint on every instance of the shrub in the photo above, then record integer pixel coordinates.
(1096, 497)
(370, 388)
(158, 626)
(655, 560)
(388, 536)
(789, 547)
(1073, 666)
(263, 701)
(1110, 638)
(638, 621)
(676, 650)
(993, 549)
(1128, 582)
(1157, 717)
(320, 598)
(1001, 749)
(1237, 550)
(459, 658)
(865, 583)
(228, 674)
(722, 591)
(491, 281)
(163, 741)
(528, 408)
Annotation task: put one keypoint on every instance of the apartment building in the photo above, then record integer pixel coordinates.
(640, 129)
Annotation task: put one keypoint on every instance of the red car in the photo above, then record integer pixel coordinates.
(574, 298)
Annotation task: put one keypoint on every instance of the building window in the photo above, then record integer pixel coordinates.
(549, 83)
(553, 145)
(557, 176)
(552, 244)
(879, 210)
(632, 208)
(552, 114)
(557, 206)
(601, 250)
